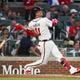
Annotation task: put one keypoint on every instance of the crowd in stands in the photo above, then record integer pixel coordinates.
(17, 43)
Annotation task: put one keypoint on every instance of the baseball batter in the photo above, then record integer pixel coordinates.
(46, 46)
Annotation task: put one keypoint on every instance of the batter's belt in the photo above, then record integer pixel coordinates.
(45, 40)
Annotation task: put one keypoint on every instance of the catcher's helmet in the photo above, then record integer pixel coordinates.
(34, 10)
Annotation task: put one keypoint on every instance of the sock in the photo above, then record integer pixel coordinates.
(66, 64)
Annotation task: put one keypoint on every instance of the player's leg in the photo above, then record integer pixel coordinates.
(60, 58)
(45, 51)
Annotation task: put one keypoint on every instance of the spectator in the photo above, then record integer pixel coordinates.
(72, 32)
(12, 29)
(71, 43)
(58, 2)
(14, 15)
(77, 37)
(64, 10)
(6, 7)
(52, 13)
(66, 43)
(26, 46)
(28, 5)
(53, 2)
(19, 16)
(73, 29)
(67, 2)
(9, 15)
(72, 14)
(76, 49)
(1, 11)
(2, 26)
(71, 21)
(67, 46)
(6, 49)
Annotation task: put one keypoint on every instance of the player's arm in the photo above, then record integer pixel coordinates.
(19, 27)
(2, 43)
(30, 30)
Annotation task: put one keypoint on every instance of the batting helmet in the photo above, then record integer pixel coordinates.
(34, 11)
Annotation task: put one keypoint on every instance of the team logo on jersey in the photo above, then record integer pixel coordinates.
(36, 25)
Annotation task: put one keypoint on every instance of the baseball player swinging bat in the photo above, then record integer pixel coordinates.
(46, 45)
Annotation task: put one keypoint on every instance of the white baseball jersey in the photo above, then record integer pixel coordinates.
(42, 24)
(46, 46)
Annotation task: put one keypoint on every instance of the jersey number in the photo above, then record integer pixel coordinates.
(38, 30)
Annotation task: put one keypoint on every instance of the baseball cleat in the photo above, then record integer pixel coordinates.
(28, 70)
(74, 70)
(77, 71)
